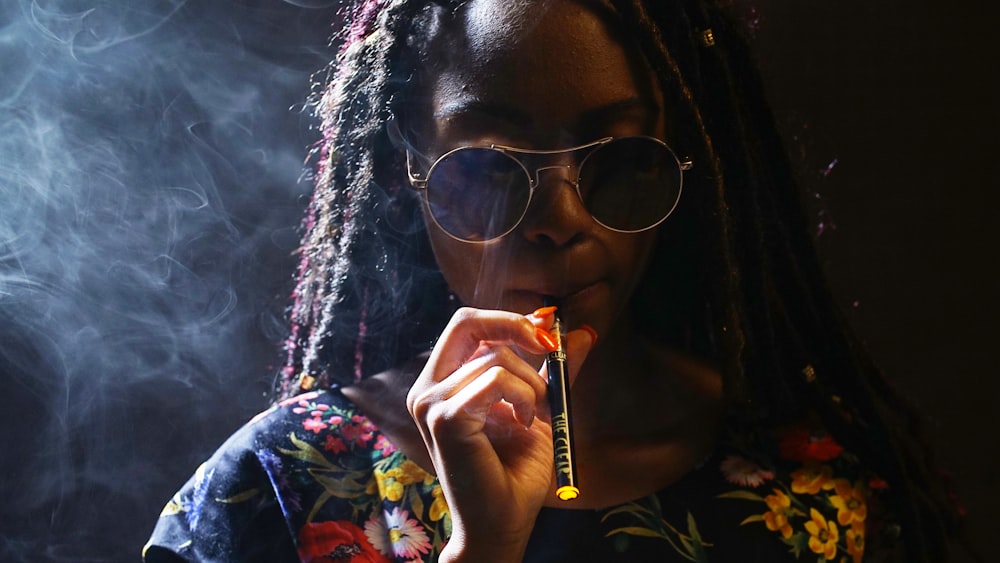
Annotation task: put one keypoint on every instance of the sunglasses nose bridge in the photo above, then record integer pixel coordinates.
(537, 179)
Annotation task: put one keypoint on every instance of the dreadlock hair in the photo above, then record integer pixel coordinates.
(737, 249)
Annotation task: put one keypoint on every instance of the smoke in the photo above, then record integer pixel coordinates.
(150, 155)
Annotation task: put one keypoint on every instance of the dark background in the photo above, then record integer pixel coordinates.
(150, 155)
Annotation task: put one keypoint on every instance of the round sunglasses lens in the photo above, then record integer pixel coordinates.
(631, 183)
(477, 194)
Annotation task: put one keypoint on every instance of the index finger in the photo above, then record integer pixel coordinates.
(470, 328)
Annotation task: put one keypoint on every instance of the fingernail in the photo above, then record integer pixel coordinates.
(546, 339)
(543, 312)
(593, 334)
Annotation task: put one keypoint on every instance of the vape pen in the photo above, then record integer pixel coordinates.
(567, 487)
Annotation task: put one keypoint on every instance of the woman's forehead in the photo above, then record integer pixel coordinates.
(489, 28)
(541, 63)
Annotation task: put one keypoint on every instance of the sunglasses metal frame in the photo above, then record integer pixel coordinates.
(420, 183)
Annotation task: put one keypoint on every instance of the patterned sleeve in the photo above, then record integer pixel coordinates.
(311, 479)
(229, 510)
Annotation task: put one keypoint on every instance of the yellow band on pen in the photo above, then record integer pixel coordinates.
(567, 492)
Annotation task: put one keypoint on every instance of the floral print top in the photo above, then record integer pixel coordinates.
(313, 480)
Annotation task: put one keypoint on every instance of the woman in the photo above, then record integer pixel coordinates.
(617, 157)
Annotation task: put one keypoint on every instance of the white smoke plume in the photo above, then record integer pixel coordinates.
(150, 162)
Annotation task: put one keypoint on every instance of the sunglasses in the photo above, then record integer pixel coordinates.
(479, 194)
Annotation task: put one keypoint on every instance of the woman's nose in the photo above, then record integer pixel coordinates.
(555, 215)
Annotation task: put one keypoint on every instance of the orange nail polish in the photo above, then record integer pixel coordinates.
(543, 312)
(546, 339)
(593, 333)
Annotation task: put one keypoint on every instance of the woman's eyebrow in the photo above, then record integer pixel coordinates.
(504, 112)
(480, 108)
(629, 107)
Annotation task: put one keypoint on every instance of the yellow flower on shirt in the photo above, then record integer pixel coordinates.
(823, 535)
(810, 479)
(777, 518)
(849, 502)
(439, 508)
(389, 487)
(856, 543)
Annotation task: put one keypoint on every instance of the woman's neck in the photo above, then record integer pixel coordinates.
(634, 389)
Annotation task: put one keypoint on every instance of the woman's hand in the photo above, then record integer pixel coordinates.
(482, 413)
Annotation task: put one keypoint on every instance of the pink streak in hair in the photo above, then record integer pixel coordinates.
(361, 22)
(359, 343)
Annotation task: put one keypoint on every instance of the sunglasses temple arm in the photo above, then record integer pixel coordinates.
(416, 181)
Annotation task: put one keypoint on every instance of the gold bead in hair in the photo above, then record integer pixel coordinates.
(809, 373)
(306, 381)
(707, 37)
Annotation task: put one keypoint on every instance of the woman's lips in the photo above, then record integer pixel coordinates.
(566, 296)
(556, 291)
(558, 288)
(577, 292)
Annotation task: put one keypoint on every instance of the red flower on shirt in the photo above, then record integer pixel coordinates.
(334, 444)
(799, 444)
(336, 542)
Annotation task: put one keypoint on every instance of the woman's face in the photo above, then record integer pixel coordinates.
(540, 75)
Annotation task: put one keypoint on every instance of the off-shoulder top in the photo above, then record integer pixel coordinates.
(312, 479)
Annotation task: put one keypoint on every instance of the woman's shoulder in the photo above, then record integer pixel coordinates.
(304, 465)
(316, 425)
(767, 493)
(797, 483)
(355, 491)
(325, 419)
